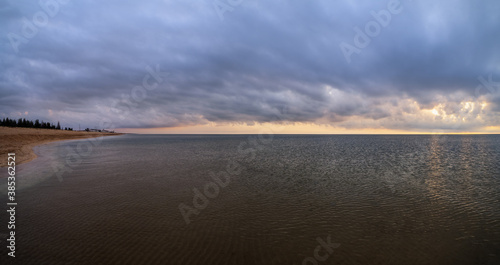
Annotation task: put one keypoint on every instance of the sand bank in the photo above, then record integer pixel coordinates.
(22, 140)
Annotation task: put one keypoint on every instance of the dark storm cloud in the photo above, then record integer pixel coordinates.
(262, 58)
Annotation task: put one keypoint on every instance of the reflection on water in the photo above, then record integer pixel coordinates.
(384, 199)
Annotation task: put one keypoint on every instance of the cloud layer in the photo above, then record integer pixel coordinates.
(434, 65)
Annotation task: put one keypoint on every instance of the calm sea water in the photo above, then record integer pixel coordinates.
(153, 199)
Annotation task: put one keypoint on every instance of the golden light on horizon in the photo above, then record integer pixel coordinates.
(441, 115)
(296, 128)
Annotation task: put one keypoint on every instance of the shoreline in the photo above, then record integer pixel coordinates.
(21, 141)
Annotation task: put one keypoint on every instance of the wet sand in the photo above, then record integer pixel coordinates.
(22, 140)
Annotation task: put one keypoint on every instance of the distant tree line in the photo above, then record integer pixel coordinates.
(21, 122)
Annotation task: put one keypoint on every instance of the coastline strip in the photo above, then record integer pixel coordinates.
(22, 140)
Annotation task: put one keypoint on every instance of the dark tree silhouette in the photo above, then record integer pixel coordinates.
(23, 122)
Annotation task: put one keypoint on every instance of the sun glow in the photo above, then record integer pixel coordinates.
(445, 117)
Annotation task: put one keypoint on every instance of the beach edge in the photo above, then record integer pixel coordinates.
(22, 141)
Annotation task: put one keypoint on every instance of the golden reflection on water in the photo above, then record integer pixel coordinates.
(434, 181)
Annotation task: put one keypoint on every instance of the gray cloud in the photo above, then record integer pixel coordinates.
(263, 57)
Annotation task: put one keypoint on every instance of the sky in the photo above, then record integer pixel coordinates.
(248, 66)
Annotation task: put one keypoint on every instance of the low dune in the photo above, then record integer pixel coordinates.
(22, 140)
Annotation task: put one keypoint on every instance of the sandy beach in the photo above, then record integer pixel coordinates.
(22, 140)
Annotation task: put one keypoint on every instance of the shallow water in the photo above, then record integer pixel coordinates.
(384, 199)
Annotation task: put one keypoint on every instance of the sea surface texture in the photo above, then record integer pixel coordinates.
(268, 199)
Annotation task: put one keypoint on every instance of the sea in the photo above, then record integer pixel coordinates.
(258, 199)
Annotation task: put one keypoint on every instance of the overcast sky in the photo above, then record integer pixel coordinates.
(414, 66)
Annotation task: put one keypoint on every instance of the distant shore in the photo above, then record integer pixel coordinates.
(22, 140)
